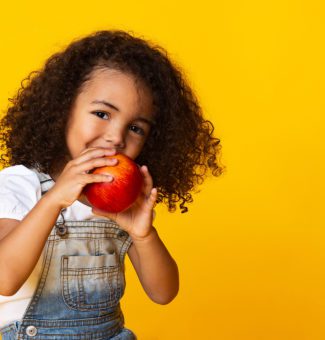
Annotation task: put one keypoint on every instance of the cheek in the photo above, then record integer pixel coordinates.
(87, 133)
(77, 137)
(140, 142)
(134, 147)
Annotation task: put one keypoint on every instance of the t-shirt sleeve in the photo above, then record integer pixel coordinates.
(19, 191)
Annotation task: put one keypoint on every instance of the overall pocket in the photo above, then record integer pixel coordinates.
(91, 282)
(9, 332)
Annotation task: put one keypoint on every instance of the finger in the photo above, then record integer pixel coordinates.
(151, 201)
(147, 180)
(85, 150)
(96, 178)
(93, 153)
(96, 163)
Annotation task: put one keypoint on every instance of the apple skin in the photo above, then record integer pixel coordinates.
(120, 194)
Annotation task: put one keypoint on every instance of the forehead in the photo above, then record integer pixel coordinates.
(121, 87)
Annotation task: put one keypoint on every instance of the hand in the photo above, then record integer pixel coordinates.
(75, 175)
(137, 220)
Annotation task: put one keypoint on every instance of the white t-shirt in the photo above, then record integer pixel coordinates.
(20, 190)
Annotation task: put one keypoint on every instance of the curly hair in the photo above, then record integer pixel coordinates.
(180, 148)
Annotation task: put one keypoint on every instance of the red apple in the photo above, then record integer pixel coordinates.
(119, 194)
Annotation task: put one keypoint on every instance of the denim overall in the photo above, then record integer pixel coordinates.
(80, 286)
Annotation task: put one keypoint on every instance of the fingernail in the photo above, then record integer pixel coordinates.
(110, 151)
(112, 161)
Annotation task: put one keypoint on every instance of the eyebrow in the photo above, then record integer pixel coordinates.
(106, 104)
(110, 105)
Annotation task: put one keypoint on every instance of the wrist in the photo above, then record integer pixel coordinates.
(152, 234)
(49, 198)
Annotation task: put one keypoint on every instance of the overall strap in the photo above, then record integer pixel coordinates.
(46, 183)
(45, 180)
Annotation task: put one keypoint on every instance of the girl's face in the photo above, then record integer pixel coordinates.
(112, 111)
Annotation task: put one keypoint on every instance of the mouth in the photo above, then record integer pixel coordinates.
(102, 147)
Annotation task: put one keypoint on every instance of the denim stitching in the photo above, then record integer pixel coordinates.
(82, 230)
(112, 274)
(101, 335)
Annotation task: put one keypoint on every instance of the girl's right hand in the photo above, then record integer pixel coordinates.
(75, 175)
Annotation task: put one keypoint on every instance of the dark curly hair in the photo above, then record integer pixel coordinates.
(180, 148)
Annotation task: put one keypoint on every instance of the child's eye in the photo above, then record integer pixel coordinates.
(101, 114)
(137, 130)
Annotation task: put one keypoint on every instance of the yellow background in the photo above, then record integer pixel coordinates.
(251, 249)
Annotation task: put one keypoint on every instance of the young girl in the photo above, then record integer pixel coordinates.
(62, 263)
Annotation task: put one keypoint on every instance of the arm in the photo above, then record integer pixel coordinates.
(156, 269)
(22, 242)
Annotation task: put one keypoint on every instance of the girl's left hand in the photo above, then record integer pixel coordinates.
(137, 220)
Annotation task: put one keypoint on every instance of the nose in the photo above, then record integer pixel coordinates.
(116, 137)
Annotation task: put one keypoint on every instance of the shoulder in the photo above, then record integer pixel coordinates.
(18, 174)
(20, 189)
(20, 181)
(16, 170)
